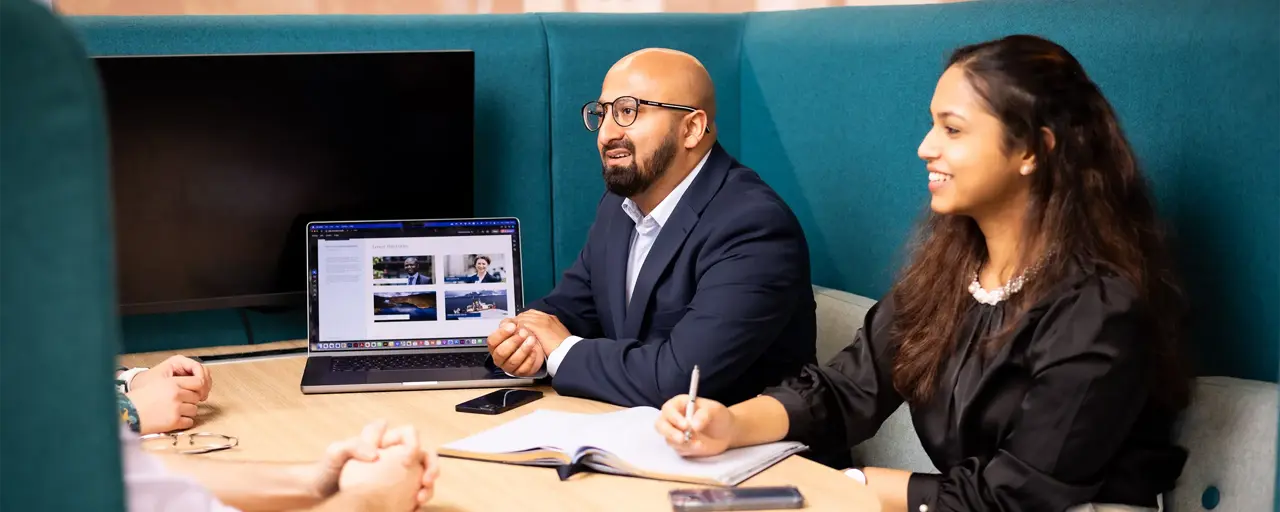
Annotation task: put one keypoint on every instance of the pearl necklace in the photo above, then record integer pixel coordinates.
(997, 295)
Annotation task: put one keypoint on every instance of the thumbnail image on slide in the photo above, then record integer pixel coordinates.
(475, 268)
(402, 270)
(404, 307)
(463, 305)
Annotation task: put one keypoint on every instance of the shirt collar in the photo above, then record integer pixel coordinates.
(667, 206)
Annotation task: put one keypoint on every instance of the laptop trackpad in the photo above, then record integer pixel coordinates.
(442, 374)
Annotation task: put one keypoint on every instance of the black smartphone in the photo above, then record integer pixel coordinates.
(499, 401)
(736, 498)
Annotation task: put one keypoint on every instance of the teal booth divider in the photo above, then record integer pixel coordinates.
(58, 324)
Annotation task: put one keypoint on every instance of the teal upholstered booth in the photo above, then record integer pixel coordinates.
(829, 106)
(58, 328)
(1193, 84)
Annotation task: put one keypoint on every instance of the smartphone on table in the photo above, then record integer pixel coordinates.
(736, 498)
(499, 401)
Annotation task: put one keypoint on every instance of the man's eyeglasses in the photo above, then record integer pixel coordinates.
(625, 111)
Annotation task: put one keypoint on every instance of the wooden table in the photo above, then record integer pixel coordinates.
(260, 402)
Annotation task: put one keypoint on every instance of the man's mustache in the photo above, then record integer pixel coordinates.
(619, 144)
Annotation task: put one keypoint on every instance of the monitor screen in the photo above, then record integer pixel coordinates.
(220, 161)
(408, 284)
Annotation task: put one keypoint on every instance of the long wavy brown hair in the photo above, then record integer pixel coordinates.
(1089, 202)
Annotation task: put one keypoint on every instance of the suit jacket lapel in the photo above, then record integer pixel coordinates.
(664, 249)
(618, 248)
(677, 229)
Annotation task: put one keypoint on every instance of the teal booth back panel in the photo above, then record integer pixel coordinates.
(581, 49)
(835, 103)
(829, 106)
(58, 323)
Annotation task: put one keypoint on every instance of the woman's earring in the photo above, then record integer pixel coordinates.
(1026, 169)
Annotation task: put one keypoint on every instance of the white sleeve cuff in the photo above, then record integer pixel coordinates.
(557, 356)
(541, 373)
(127, 377)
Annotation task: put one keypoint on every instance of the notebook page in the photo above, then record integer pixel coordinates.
(631, 437)
(538, 429)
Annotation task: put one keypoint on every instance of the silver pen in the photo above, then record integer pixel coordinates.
(688, 408)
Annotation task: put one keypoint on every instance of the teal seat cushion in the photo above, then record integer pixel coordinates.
(835, 104)
(512, 150)
(581, 48)
(58, 325)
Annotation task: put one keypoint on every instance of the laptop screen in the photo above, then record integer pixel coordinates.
(390, 285)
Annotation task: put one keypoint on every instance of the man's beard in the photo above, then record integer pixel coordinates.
(630, 180)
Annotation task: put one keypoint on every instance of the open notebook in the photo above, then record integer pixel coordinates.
(623, 443)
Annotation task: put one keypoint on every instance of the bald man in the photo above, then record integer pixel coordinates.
(692, 259)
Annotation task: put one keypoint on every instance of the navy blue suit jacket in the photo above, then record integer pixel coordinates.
(726, 287)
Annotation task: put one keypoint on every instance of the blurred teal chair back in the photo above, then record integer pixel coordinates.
(58, 329)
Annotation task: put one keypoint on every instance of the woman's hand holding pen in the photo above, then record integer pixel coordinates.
(712, 426)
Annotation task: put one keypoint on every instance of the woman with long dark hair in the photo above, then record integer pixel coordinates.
(1034, 333)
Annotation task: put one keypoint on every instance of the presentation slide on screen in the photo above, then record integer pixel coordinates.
(407, 288)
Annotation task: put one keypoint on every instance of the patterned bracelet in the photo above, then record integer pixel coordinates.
(128, 414)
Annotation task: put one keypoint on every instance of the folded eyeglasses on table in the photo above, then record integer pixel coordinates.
(195, 442)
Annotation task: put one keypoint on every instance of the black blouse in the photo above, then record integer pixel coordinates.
(1058, 416)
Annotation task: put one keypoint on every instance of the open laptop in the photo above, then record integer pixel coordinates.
(399, 305)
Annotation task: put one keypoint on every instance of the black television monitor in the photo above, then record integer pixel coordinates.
(219, 162)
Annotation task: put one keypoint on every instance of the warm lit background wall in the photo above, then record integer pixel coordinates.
(146, 7)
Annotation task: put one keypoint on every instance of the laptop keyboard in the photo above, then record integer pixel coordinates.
(409, 362)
